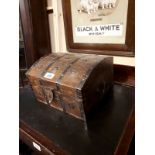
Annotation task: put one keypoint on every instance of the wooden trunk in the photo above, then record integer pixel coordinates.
(73, 83)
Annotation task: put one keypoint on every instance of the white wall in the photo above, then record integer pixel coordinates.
(57, 33)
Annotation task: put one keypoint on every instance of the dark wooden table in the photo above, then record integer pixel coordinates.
(110, 129)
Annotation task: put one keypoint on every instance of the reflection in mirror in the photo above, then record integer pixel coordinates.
(22, 60)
